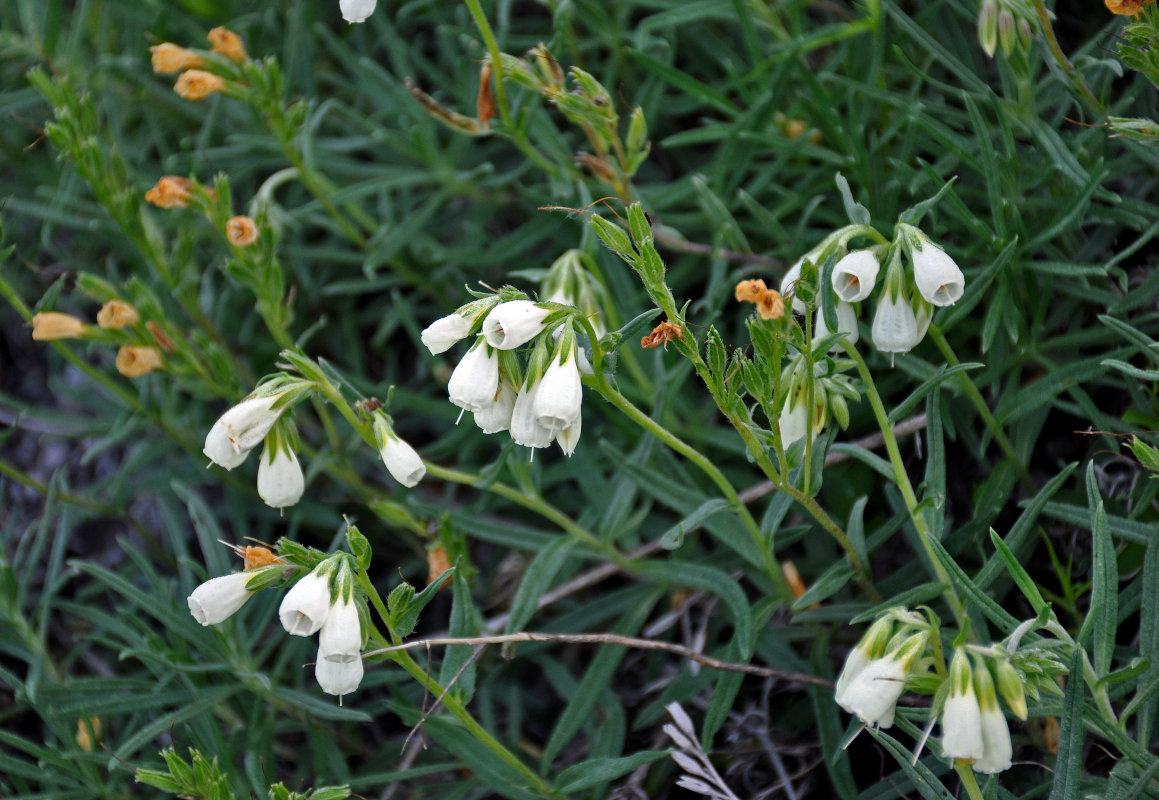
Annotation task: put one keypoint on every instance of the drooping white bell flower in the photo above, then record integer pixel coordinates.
(514, 323)
(403, 463)
(846, 323)
(476, 378)
(568, 438)
(525, 427)
(280, 479)
(341, 637)
(938, 278)
(789, 286)
(356, 10)
(496, 416)
(305, 606)
(871, 646)
(996, 747)
(961, 715)
(895, 328)
(793, 421)
(218, 599)
(560, 393)
(873, 690)
(443, 333)
(241, 429)
(338, 677)
(854, 275)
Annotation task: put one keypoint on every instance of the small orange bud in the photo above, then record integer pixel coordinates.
(160, 337)
(168, 58)
(134, 361)
(1126, 8)
(227, 43)
(485, 103)
(1050, 735)
(117, 314)
(197, 84)
(241, 231)
(48, 325)
(438, 562)
(171, 191)
(259, 557)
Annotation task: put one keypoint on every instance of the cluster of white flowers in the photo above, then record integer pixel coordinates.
(831, 393)
(261, 418)
(322, 600)
(539, 403)
(974, 729)
(906, 304)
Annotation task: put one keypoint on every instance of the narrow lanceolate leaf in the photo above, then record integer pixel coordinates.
(1070, 742)
(537, 579)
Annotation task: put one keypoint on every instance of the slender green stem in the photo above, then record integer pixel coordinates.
(901, 478)
(969, 782)
(979, 402)
(1064, 62)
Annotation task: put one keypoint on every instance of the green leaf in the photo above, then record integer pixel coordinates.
(502, 777)
(1018, 572)
(458, 661)
(917, 395)
(591, 773)
(1070, 741)
(409, 615)
(919, 774)
(537, 579)
(857, 213)
(686, 574)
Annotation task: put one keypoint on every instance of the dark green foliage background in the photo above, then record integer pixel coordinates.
(109, 520)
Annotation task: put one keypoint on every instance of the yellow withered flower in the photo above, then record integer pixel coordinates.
(170, 191)
(197, 84)
(227, 43)
(133, 361)
(117, 314)
(49, 325)
(168, 58)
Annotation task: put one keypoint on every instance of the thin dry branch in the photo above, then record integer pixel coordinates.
(611, 638)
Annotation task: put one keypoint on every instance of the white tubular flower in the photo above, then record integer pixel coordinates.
(996, 747)
(402, 462)
(218, 599)
(872, 644)
(356, 10)
(525, 427)
(895, 328)
(961, 716)
(280, 479)
(476, 379)
(341, 637)
(568, 438)
(514, 323)
(338, 677)
(793, 422)
(846, 323)
(873, 692)
(789, 285)
(560, 393)
(854, 275)
(937, 276)
(443, 333)
(305, 606)
(496, 417)
(241, 428)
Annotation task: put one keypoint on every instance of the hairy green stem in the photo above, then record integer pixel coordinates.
(1064, 62)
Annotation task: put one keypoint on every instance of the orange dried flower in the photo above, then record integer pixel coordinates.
(662, 334)
(171, 191)
(88, 733)
(134, 361)
(117, 314)
(768, 301)
(241, 231)
(227, 43)
(49, 325)
(168, 58)
(1126, 8)
(258, 557)
(197, 84)
(485, 103)
(159, 336)
(438, 562)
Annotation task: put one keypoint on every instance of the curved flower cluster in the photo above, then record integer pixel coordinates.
(539, 402)
(876, 670)
(974, 728)
(322, 601)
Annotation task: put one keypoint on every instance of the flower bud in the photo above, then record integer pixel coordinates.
(855, 275)
(197, 84)
(133, 361)
(514, 323)
(1007, 35)
(241, 429)
(846, 323)
(402, 461)
(49, 325)
(227, 43)
(305, 606)
(168, 58)
(117, 314)
(789, 285)
(356, 10)
(219, 598)
(1010, 686)
(241, 231)
(445, 332)
(988, 27)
